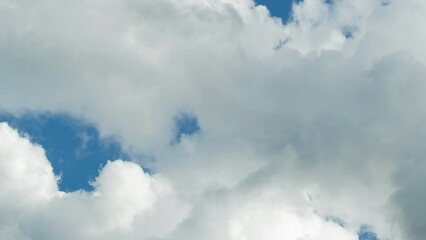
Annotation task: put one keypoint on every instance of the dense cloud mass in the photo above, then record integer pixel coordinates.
(308, 130)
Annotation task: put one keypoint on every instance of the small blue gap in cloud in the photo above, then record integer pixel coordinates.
(348, 31)
(365, 233)
(185, 124)
(74, 147)
(279, 8)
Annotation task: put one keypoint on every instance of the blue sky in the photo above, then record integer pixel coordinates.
(185, 124)
(279, 8)
(365, 233)
(74, 147)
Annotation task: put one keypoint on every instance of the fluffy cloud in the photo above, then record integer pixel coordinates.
(124, 197)
(26, 176)
(129, 203)
(324, 113)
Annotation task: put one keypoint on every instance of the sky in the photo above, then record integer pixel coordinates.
(279, 8)
(73, 147)
(212, 119)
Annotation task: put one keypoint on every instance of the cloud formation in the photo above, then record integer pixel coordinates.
(129, 203)
(304, 127)
(126, 201)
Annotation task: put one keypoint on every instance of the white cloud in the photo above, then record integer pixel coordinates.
(32, 206)
(336, 119)
(25, 172)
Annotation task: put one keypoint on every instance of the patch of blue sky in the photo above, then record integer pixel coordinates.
(365, 233)
(74, 147)
(279, 8)
(349, 31)
(185, 124)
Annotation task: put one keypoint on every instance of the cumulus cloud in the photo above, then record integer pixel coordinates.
(318, 119)
(26, 182)
(124, 197)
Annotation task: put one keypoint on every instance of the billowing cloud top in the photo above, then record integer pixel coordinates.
(308, 130)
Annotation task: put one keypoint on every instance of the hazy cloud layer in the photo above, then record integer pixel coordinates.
(304, 127)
